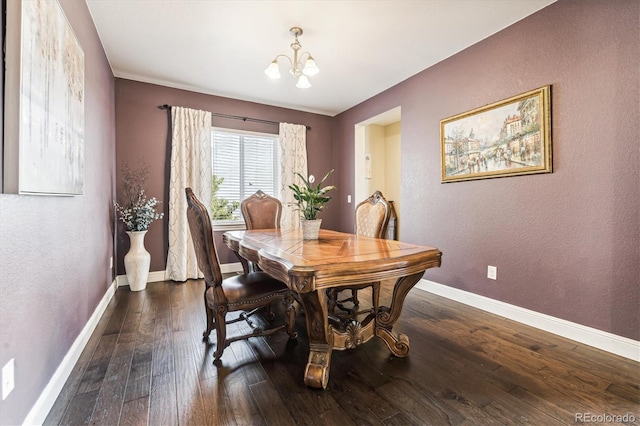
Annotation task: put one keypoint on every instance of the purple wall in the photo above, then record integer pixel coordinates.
(142, 133)
(566, 243)
(54, 251)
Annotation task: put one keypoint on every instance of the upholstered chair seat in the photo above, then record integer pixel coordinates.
(248, 288)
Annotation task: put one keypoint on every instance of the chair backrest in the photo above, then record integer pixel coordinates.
(261, 211)
(372, 216)
(202, 237)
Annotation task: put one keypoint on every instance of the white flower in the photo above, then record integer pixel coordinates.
(139, 215)
(311, 200)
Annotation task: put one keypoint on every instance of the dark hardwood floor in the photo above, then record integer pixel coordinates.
(146, 364)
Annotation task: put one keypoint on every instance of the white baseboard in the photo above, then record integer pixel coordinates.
(609, 342)
(41, 408)
(228, 268)
(154, 277)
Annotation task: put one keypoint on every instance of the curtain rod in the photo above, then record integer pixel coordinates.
(235, 117)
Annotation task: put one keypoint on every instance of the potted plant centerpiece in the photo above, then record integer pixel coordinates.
(137, 213)
(310, 201)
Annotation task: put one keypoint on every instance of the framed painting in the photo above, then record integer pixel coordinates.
(46, 94)
(507, 138)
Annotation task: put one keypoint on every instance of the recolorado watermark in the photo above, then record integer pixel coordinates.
(604, 418)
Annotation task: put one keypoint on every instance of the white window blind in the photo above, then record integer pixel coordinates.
(247, 162)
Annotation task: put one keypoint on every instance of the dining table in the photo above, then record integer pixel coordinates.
(311, 268)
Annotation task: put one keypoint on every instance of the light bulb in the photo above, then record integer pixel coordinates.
(273, 71)
(303, 82)
(310, 67)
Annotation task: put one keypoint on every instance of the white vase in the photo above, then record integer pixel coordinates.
(137, 261)
(310, 228)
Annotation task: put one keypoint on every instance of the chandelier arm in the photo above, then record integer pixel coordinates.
(300, 63)
(284, 56)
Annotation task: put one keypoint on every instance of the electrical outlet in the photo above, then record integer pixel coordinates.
(7, 379)
(492, 272)
(348, 198)
(111, 262)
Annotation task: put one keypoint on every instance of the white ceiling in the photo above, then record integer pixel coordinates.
(362, 47)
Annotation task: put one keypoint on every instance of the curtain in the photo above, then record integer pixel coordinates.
(190, 167)
(293, 159)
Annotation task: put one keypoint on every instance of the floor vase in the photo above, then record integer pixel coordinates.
(137, 261)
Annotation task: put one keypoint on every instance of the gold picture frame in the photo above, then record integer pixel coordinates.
(506, 138)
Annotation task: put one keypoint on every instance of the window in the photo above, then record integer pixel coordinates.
(243, 163)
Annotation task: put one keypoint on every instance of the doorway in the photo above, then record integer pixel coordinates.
(377, 159)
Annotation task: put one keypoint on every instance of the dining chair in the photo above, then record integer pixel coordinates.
(261, 211)
(249, 292)
(372, 218)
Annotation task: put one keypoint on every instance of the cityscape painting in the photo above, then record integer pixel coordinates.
(506, 138)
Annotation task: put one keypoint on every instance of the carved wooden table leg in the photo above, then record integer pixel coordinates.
(245, 263)
(320, 339)
(387, 316)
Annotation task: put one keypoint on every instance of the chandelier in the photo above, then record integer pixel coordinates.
(297, 70)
